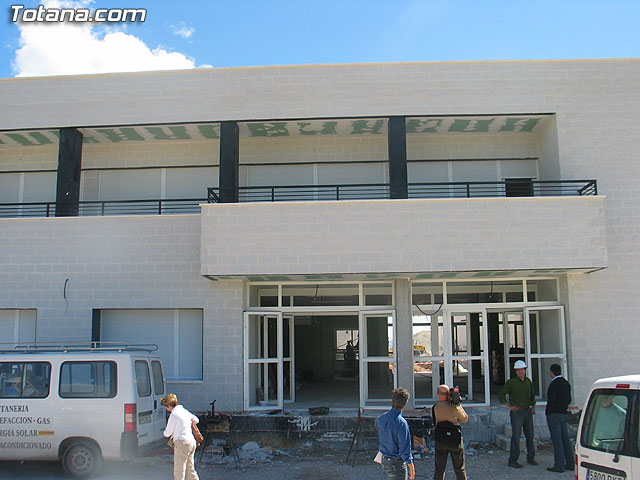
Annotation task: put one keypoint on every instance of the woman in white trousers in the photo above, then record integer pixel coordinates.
(184, 444)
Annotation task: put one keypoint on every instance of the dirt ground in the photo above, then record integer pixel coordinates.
(484, 464)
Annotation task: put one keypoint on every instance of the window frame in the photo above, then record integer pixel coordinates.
(113, 383)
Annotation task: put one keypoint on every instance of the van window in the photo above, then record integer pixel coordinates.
(143, 380)
(605, 420)
(88, 380)
(24, 380)
(158, 378)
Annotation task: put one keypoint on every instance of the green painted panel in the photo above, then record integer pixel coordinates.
(506, 273)
(519, 124)
(39, 138)
(211, 132)
(177, 133)
(468, 125)
(360, 127)
(120, 134)
(328, 128)
(415, 125)
(274, 129)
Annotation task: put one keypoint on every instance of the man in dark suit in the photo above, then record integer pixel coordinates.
(558, 399)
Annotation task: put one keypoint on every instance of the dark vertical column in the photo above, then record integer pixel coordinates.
(69, 167)
(476, 346)
(96, 325)
(229, 162)
(398, 157)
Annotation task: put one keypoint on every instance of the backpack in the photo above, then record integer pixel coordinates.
(447, 434)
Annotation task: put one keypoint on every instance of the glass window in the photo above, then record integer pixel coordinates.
(143, 380)
(190, 182)
(379, 336)
(131, 184)
(426, 293)
(88, 380)
(346, 173)
(542, 290)
(605, 419)
(263, 296)
(18, 326)
(40, 187)
(474, 292)
(37, 376)
(11, 380)
(324, 295)
(428, 172)
(9, 187)
(158, 378)
(378, 294)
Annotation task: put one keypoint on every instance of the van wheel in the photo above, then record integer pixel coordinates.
(82, 460)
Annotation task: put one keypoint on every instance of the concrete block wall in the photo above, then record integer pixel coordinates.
(465, 146)
(124, 262)
(422, 235)
(28, 159)
(330, 148)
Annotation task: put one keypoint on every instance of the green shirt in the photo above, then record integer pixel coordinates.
(520, 392)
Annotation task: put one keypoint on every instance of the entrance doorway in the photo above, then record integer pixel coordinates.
(535, 335)
(336, 359)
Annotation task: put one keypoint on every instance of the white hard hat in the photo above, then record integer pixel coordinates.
(519, 364)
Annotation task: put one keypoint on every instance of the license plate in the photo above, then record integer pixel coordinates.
(595, 475)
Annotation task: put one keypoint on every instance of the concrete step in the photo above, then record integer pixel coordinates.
(504, 443)
(540, 432)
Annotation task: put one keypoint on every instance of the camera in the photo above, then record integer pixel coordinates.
(454, 396)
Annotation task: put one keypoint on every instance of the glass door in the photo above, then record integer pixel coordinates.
(466, 353)
(428, 355)
(288, 361)
(377, 357)
(514, 340)
(546, 345)
(263, 347)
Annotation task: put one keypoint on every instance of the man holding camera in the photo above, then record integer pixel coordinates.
(447, 416)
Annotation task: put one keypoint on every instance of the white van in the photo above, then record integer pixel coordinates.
(608, 443)
(80, 403)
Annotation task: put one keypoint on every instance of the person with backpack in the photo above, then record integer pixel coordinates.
(447, 416)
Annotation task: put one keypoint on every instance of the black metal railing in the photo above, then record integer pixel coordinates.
(507, 188)
(362, 191)
(106, 207)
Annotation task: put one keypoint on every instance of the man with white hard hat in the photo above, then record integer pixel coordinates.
(522, 403)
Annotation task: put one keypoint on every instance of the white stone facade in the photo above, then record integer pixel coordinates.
(158, 261)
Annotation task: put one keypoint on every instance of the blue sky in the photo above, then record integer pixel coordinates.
(222, 33)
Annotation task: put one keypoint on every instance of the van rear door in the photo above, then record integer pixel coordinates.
(144, 400)
(159, 411)
(608, 439)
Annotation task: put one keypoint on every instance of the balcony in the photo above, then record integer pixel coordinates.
(557, 230)
(507, 188)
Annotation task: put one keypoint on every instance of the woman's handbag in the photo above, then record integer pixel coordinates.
(196, 433)
(170, 442)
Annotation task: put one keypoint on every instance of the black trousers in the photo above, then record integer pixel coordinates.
(457, 459)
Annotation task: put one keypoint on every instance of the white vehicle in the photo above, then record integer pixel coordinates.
(80, 403)
(608, 444)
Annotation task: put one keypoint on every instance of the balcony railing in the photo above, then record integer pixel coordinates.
(508, 188)
(364, 191)
(106, 207)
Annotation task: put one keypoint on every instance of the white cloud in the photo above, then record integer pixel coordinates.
(182, 30)
(68, 49)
